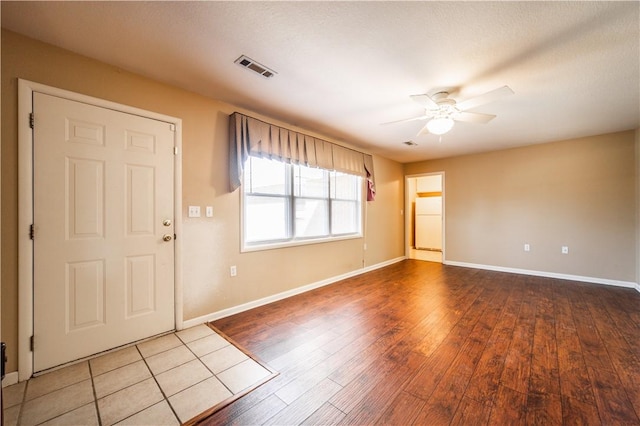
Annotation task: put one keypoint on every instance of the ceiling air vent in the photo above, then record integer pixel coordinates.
(252, 65)
(410, 143)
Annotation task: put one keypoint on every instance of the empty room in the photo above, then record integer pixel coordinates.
(320, 212)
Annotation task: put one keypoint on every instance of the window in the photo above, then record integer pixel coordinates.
(287, 204)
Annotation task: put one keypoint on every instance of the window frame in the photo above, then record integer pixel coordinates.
(292, 240)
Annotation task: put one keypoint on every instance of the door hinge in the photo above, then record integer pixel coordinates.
(175, 150)
(172, 127)
(32, 231)
(32, 343)
(32, 120)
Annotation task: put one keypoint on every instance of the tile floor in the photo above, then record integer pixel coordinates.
(164, 381)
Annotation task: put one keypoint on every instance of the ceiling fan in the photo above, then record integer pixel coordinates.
(443, 110)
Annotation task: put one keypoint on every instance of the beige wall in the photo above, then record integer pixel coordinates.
(579, 193)
(210, 246)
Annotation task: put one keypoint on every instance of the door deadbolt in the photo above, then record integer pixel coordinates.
(166, 222)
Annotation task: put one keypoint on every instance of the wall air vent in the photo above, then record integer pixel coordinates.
(252, 65)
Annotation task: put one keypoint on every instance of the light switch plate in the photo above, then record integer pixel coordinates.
(209, 211)
(194, 211)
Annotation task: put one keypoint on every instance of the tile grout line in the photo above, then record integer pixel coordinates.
(205, 365)
(153, 376)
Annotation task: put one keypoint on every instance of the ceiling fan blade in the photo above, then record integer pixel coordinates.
(474, 117)
(425, 101)
(423, 131)
(490, 96)
(422, 117)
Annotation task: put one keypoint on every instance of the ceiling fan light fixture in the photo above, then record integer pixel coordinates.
(440, 125)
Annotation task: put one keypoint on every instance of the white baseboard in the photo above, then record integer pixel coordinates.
(10, 379)
(593, 280)
(293, 292)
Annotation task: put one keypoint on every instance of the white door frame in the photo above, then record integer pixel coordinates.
(408, 218)
(25, 209)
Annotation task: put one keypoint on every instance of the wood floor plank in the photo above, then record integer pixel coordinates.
(509, 408)
(441, 322)
(611, 397)
(624, 359)
(419, 341)
(612, 401)
(579, 413)
(303, 350)
(594, 348)
(376, 401)
(486, 378)
(323, 369)
(304, 406)
(327, 414)
(428, 377)
(443, 402)
(544, 409)
(572, 370)
(357, 389)
(402, 410)
(367, 358)
(259, 413)
(471, 412)
(517, 364)
(545, 377)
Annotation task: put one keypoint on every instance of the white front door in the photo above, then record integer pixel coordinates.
(103, 229)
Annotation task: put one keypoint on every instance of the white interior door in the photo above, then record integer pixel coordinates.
(103, 225)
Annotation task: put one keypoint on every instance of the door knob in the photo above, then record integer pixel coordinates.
(166, 237)
(166, 222)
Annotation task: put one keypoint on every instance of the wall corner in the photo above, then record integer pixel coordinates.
(637, 182)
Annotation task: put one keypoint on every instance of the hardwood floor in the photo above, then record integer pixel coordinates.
(427, 344)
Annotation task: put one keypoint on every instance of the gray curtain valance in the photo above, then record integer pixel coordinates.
(249, 136)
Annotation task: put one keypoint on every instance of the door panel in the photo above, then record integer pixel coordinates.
(85, 198)
(103, 185)
(140, 285)
(139, 189)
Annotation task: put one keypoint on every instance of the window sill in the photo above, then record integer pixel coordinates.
(295, 243)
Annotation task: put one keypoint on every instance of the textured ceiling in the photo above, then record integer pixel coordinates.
(343, 68)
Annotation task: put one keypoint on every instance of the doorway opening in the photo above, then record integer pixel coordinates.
(424, 226)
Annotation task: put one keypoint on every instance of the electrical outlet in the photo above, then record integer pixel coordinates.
(565, 250)
(209, 211)
(233, 271)
(194, 211)
(527, 247)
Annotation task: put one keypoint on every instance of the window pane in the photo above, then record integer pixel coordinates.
(266, 176)
(310, 182)
(344, 217)
(265, 218)
(285, 203)
(344, 186)
(312, 218)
